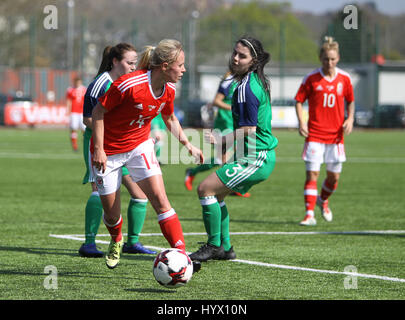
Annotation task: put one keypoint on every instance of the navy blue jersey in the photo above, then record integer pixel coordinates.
(251, 107)
(96, 89)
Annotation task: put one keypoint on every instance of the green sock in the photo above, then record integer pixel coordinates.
(93, 213)
(204, 167)
(225, 238)
(212, 219)
(136, 217)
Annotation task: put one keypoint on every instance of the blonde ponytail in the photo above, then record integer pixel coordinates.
(167, 50)
(329, 44)
(144, 62)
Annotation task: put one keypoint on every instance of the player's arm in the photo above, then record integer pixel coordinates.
(68, 106)
(302, 125)
(88, 105)
(248, 117)
(227, 141)
(348, 123)
(173, 125)
(99, 156)
(87, 121)
(219, 102)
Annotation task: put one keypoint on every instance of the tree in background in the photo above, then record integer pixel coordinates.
(375, 34)
(218, 31)
(25, 42)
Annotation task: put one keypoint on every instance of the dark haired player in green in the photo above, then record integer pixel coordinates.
(255, 156)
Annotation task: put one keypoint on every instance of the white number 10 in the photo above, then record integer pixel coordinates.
(329, 100)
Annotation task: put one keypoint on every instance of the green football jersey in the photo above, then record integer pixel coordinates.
(251, 107)
(224, 119)
(158, 123)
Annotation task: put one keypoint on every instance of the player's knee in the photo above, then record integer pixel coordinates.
(333, 179)
(160, 203)
(312, 175)
(202, 189)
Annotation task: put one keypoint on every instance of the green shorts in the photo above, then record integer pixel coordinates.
(88, 177)
(247, 171)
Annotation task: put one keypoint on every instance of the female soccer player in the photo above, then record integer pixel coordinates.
(326, 89)
(224, 123)
(117, 61)
(255, 155)
(121, 136)
(74, 101)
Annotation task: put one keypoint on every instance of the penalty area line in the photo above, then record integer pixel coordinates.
(262, 264)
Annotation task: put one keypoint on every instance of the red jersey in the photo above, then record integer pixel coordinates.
(76, 95)
(131, 107)
(326, 101)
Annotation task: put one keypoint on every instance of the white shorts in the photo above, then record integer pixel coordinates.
(141, 163)
(76, 121)
(316, 153)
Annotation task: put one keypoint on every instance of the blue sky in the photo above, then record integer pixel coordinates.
(391, 7)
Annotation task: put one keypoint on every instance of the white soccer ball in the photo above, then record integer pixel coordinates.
(172, 268)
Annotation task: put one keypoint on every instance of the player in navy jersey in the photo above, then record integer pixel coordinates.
(118, 60)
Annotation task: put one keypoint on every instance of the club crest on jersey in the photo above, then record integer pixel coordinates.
(161, 107)
(339, 89)
(330, 88)
(151, 108)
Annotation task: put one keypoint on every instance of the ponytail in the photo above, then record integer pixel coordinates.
(329, 44)
(146, 57)
(167, 50)
(105, 62)
(110, 53)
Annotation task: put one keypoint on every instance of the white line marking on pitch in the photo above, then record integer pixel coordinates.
(270, 265)
(350, 160)
(299, 233)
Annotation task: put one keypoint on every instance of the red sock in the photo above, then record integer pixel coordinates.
(327, 189)
(171, 229)
(115, 230)
(310, 194)
(73, 139)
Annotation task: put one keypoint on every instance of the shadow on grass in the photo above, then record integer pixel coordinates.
(151, 290)
(73, 253)
(261, 222)
(78, 274)
(54, 251)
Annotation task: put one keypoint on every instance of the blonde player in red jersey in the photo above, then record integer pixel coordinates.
(74, 101)
(326, 89)
(121, 136)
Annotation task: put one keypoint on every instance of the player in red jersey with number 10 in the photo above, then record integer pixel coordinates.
(326, 89)
(121, 136)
